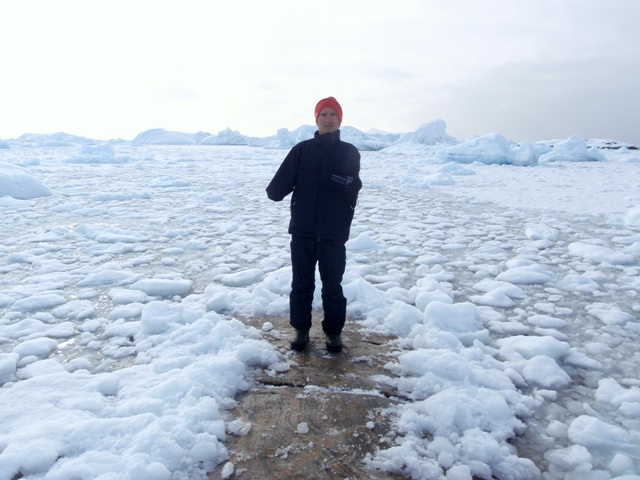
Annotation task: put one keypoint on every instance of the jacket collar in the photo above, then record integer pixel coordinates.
(327, 138)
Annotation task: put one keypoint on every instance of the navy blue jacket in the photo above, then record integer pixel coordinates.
(324, 175)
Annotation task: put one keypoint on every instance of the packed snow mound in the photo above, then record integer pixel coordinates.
(284, 138)
(51, 140)
(429, 134)
(364, 141)
(492, 149)
(101, 153)
(573, 149)
(18, 183)
(160, 136)
(225, 137)
(423, 140)
(632, 217)
(387, 137)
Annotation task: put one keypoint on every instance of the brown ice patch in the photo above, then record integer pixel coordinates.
(320, 418)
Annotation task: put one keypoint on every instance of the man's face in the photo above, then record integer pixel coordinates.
(327, 121)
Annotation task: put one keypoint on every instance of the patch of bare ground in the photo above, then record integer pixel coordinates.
(320, 418)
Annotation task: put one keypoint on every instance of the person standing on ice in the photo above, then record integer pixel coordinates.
(323, 175)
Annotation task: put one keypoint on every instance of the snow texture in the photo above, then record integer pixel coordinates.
(508, 273)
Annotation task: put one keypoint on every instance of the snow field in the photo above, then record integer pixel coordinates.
(513, 292)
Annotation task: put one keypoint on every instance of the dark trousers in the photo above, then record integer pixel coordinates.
(331, 259)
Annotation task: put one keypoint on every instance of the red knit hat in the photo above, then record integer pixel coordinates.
(332, 103)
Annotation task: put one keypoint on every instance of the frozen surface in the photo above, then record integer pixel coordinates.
(512, 289)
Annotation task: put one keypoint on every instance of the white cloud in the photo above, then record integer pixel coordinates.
(114, 68)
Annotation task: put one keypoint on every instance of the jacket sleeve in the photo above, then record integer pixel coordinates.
(284, 180)
(357, 181)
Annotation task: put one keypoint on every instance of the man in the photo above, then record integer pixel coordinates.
(323, 173)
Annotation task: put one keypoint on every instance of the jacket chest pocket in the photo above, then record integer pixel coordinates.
(339, 179)
(340, 182)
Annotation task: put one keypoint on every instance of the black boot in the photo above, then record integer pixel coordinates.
(300, 342)
(334, 343)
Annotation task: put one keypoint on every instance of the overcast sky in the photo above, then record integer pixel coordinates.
(529, 69)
